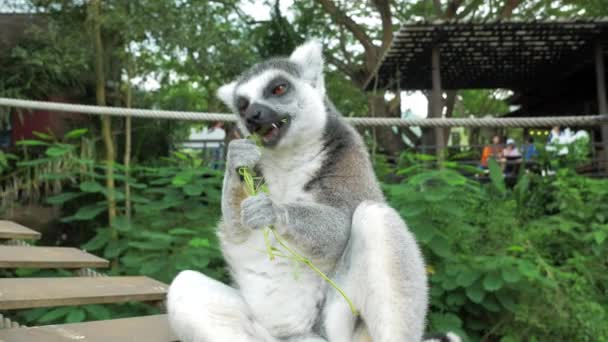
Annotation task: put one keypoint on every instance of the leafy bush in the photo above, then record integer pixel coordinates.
(171, 227)
(505, 263)
(520, 264)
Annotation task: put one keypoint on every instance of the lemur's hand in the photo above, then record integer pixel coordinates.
(242, 153)
(258, 212)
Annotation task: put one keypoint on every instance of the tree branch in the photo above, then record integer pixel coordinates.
(341, 18)
(437, 7)
(508, 8)
(395, 103)
(384, 7)
(452, 9)
(342, 44)
(345, 68)
(470, 8)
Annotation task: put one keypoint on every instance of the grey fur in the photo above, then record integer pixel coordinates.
(326, 202)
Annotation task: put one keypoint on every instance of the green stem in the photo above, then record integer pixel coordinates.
(252, 190)
(312, 266)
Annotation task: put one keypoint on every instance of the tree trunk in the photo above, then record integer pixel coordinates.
(127, 156)
(106, 121)
(387, 141)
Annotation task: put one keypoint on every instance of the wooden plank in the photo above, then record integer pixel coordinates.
(153, 328)
(22, 293)
(47, 257)
(12, 230)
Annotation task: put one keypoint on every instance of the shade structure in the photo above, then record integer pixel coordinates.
(517, 55)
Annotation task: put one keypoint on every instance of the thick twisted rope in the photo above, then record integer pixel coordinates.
(582, 120)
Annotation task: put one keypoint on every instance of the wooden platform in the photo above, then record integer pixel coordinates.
(12, 230)
(138, 329)
(47, 257)
(23, 293)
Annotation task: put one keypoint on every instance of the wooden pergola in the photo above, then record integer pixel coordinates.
(523, 56)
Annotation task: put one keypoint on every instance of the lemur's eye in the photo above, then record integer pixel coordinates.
(279, 90)
(242, 104)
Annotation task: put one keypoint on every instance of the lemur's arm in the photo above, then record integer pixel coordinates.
(316, 229)
(241, 153)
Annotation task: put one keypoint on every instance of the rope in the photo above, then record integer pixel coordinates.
(582, 120)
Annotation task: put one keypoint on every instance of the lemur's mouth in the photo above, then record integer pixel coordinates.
(272, 132)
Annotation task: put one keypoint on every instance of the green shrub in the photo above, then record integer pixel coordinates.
(519, 264)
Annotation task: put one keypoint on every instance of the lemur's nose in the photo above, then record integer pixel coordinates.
(258, 113)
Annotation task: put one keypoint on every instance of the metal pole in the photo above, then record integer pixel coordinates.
(437, 100)
(602, 104)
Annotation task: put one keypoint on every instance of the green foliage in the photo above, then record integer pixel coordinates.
(171, 228)
(510, 264)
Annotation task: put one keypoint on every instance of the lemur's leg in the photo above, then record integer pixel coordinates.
(382, 271)
(204, 310)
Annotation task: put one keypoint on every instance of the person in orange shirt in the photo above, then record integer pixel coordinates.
(491, 151)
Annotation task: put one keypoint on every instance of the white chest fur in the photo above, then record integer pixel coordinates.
(287, 172)
(284, 297)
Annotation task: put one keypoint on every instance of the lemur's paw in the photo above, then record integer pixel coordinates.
(242, 153)
(258, 212)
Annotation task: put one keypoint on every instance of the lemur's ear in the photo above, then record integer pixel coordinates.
(310, 58)
(226, 94)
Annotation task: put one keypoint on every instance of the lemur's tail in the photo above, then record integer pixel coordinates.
(448, 337)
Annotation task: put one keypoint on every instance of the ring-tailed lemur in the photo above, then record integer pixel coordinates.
(324, 200)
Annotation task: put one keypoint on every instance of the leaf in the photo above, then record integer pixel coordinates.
(492, 281)
(90, 186)
(152, 267)
(75, 316)
(528, 269)
(182, 231)
(510, 274)
(76, 133)
(99, 241)
(31, 143)
(193, 189)
(475, 293)
(56, 151)
(33, 315)
(98, 312)
(182, 178)
(506, 300)
(440, 246)
(55, 314)
(424, 233)
(149, 245)
(467, 277)
(490, 304)
(445, 322)
(599, 236)
(63, 197)
(197, 242)
(88, 212)
(114, 248)
(122, 224)
(496, 176)
(455, 299)
(42, 136)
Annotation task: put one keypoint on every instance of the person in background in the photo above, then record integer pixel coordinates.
(491, 151)
(554, 134)
(529, 149)
(530, 155)
(511, 158)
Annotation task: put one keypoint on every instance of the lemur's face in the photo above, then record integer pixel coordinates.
(281, 100)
